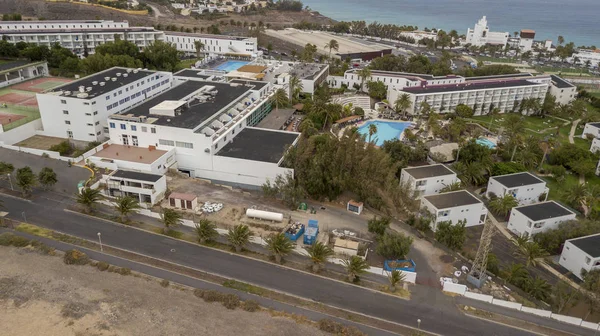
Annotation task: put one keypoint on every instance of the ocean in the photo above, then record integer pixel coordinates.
(576, 20)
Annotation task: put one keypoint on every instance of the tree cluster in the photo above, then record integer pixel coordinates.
(489, 70)
(552, 240)
(453, 236)
(289, 5)
(414, 64)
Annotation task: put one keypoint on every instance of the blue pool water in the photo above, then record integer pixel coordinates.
(485, 142)
(231, 65)
(386, 130)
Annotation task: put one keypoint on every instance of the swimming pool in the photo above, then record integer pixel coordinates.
(386, 130)
(231, 65)
(486, 142)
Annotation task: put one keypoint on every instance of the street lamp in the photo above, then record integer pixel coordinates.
(419, 324)
(10, 181)
(24, 217)
(100, 241)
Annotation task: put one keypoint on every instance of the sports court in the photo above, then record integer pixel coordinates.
(40, 84)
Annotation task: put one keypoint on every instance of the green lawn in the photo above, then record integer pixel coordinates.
(563, 70)
(496, 59)
(186, 64)
(536, 124)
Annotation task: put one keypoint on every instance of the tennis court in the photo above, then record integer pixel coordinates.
(14, 98)
(7, 118)
(40, 84)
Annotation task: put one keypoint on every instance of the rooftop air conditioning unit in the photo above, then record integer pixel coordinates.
(88, 89)
(125, 75)
(81, 88)
(102, 83)
(106, 78)
(95, 83)
(66, 93)
(82, 95)
(118, 74)
(128, 70)
(135, 71)
(114, 79)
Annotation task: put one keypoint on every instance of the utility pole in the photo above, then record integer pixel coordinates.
(477, 275)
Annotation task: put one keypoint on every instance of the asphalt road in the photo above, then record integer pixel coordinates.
(438, 317)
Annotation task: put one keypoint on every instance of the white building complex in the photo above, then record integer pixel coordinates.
(581, 254)
(79, 109)
(214, 44)
(528, 220)
(481, 35)
(143, 187)
(585, 55)
(455, 206)
(209, 126)
(428, 180)
(591, 128)
(524, 187)
(524, 42)
(79, 36)
(564, 91)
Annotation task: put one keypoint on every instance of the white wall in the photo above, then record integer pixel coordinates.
(60, 24)
(428, 186)
(595, 147)
(520, 224)
(563, 96)
(528, 194)
(471, 213)
(576, 260)
(253, 173)
(213, 44)
(20, 133)
(591, 129)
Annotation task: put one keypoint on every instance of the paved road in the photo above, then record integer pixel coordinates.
(437, 317)
(68, 177)
(196, 283)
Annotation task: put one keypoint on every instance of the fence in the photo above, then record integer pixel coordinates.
(463, 290)
(55, 155)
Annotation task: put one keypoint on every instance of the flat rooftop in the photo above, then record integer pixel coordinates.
(256, 144)
(594, 124)
(515, 75)
(588, 244)
(197, 113)
(100, 77)
(208, 36)
(469, 86)
(544, 210)
(401, 74)
(15, 64)
(191, 73)
(517, 179)
(428, 171)
(130, 153)
(80, 30)
(347, 45)
(133, 175)
(276, 119)
(452, 199)
(560, 83)
(258, 85)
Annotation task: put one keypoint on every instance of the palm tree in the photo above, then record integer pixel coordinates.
(493, 113)
(279, 245)
(295, 87)
(88, 198)
(402, 104)
(332, 45)
(575, 196)
(454, 186)
(561, 40)
(472, 173)
(319, 253)
(239, 236)
(206, 231)
(355, 266)
(199, 47)
(538, 288)
(125, 206)
(372, 130)
(514, 274)
(363, 74)
(503, 205)
(280, 98)
(531, 251)
(170, 219)
(425, 109)
(395, 277)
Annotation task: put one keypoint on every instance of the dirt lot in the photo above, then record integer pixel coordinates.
(39, 295)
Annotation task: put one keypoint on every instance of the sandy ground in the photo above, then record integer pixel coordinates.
(39, 295)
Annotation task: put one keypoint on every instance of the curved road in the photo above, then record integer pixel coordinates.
(440, 316)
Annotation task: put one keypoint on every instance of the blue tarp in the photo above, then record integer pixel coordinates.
(409, 269)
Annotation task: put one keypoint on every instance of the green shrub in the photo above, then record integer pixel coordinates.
(112, 268)
(19, 241)
(165, 283)
(231, 301)
(250, 306)
(330, 326)
(6, 239)
(102, 266)
(64, 148)
(75, 257)
(124, 271)
(212, 296)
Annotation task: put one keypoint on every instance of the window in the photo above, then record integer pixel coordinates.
(134, 140)
(112, 125)
(70, 134)
(108, 97)
(90, 124)
(133, 128)
(62, 101)
(67, 122)
(587, 260)
(98, 133)
(86, 103)
(125, 139)
(123, 126)
(184, 144)
(144, 129)
(166, 142)
(120, 91)
(153, 130)
(95, 112)
(87, 114)
(97, 123)
(65, 112)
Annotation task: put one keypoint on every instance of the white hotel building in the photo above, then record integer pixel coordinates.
(79, 36)
(79, 109)
(481, 35)
(214, 44)
(209, 126)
